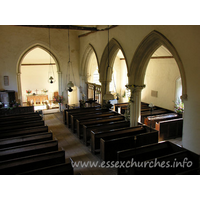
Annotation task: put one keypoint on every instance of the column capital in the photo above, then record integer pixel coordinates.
(135, 88)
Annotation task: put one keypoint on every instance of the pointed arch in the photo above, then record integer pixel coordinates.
(114, 47)
(86, 58)
(143, 54)
(18, 68)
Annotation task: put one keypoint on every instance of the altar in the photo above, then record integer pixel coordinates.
(38, 99)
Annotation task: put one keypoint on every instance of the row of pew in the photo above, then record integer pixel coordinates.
(108, 133)
(168, 123)
(27, 147)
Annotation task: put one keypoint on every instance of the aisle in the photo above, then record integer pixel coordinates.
(73, 147)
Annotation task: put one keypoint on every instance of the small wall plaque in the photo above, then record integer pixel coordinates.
(6, 80)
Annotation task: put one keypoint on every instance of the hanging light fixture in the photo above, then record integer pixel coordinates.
(70, 84)
(51, 77)
(108, 96)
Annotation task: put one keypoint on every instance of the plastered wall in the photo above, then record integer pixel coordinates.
(161, 76)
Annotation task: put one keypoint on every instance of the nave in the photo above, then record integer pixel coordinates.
(75, 149)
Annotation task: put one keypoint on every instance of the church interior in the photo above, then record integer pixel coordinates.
(78, 77)
(99, 103)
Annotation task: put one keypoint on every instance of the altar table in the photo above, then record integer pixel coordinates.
(37, 99)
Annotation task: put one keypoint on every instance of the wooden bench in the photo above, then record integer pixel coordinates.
(81, 113)
(118, 107)
(96, 135)
(166, 155)
(60, 169)
(102, 127)
(20, 126)
(28, 149)
(67, 112)
(169, 129)
(25, 164)
(17, 110)
(18, 116)
(25, 139)
(154, 112)
(19, 121)
(96, 121)
(24, 131)
(109, 145)
(151, 120)
(88, 116)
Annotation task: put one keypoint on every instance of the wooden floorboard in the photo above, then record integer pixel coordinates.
(74, 148)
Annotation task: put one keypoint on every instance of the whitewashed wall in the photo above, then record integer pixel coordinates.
(161, 76)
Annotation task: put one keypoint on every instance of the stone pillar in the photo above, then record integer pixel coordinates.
(19, 88)
(104, 88)
(135, 103)
(60, 83)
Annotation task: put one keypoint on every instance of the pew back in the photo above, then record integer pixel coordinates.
(28, 149)
(24, 131)
(169, 129)
(166, 155)
(24, 164)
(110, 145)
(26, 139)
(96, 121)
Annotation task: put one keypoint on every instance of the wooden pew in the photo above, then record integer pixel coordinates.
(96, 135)
(25, 164)
(151, 120)
(169, 129)
(28, 149)
(96, 121)
(60, 169)
(24, 131)
(109, 145)
(95, 115)
(101, 127)
(166, 155)
(20, 126)
(154, 112)
(18, 116)
(17, 110)
(81, 113)
(19, 121)
(25, 139)
(67, 112)
(118, 107)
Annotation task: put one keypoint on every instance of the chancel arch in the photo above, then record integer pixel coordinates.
(139, 64)
(45, 64)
